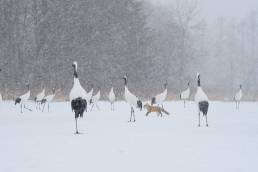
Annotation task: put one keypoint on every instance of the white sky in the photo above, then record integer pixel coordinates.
(211, 9)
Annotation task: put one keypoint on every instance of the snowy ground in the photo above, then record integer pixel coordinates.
(36, 141)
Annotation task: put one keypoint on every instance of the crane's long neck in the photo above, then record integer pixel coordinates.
(199, 82)
(75, 74)
(125, 81)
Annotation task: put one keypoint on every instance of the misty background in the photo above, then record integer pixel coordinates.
(152, 41)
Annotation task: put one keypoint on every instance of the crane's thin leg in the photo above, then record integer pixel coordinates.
(206, 120)
(76, 126)
(48, 107)
(133, 116)
(184, 103)
(43, 107)
(92, 106)
(236, 104)
(199, 119)
(21, 107)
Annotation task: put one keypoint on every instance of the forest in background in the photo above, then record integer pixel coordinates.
(41, 38)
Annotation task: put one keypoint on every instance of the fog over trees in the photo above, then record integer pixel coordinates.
(39, 40)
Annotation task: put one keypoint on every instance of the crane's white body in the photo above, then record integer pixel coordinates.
(40, 95)
(200, 95)
(77, 90)
(160, 98)
(130, 98)
(185, 95)
(111, 95)
(50, 98)
(112, 98)
(25, 97)
(238, 97)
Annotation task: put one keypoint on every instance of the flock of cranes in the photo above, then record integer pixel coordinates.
(80, 99)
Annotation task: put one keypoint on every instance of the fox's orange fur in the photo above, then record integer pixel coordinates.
(156, 109)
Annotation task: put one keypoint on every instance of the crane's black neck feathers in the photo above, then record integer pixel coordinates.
(75, 74)
(199, 81)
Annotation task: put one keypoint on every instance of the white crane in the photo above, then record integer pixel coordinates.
(238, 97)
(47, 99)
(94, 100)
(202, 100)
(77, 97)
(160, 98)
(23, 99)
(131, 99)
(40, 96)
(185, 95)
(112, 98)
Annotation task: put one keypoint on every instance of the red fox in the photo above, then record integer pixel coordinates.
(157, 109)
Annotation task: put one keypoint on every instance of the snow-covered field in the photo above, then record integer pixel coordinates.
(36, 141)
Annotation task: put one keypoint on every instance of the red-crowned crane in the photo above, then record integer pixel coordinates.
(77, 97)
(238, 96)
(23, 99)
(112, 98)
(49, 98)
(202, 100)
(160, 98)
(185, 95)
(132, 100)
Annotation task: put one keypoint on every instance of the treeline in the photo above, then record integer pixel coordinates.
(41, 38)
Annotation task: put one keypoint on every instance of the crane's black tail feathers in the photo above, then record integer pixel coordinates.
(79, 105)
(17, 100)
(153, 101)
(203, 107)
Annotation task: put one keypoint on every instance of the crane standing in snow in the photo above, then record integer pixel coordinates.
(160, 98)
(112, 98)
(94, 100)
(185, 95)
(238, 97)
(77, 97)
(48, 99)
(23, 99)
(202, 100)
(131, 99)
(40, 96)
